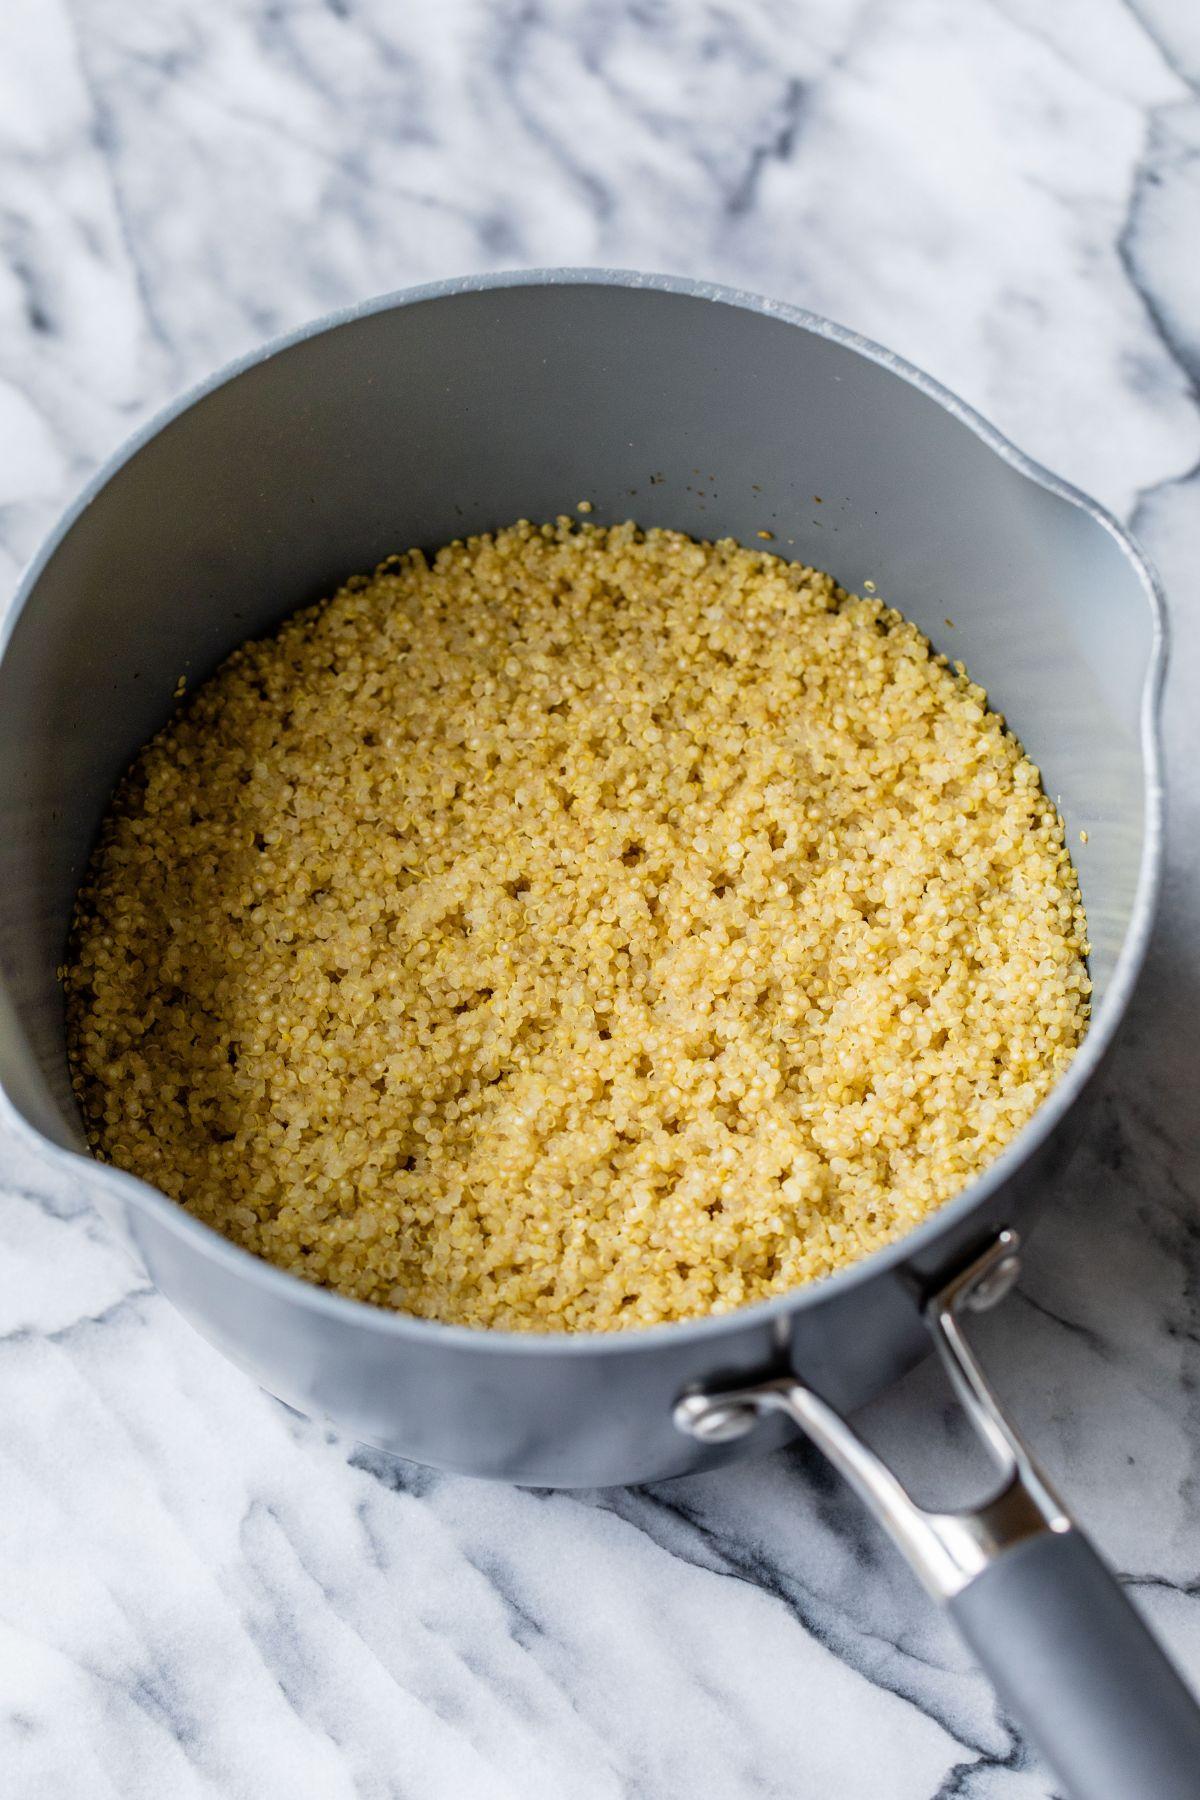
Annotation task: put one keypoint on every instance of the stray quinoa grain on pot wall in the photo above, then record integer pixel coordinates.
(583, 929)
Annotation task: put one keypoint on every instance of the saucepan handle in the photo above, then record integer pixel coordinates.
(1068, 1652)
(1074, 1663)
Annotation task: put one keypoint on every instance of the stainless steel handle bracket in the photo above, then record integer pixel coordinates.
(947, 1549)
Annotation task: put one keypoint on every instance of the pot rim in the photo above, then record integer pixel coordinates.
(710, 1328)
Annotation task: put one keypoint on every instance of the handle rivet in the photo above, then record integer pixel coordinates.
(714, 1420)
(992, 1286)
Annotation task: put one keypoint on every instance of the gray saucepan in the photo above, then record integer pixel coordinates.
(430, 414)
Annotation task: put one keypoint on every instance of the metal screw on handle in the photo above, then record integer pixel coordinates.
(947, 1549)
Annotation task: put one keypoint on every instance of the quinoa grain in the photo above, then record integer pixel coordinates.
(584, 929)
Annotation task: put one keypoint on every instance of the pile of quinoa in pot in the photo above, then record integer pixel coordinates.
(583, 929)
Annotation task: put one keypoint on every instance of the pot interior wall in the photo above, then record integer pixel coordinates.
(432, 420)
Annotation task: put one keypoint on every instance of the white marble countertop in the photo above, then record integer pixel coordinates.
(200, 1593)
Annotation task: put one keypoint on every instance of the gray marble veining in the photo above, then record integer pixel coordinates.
(203, 1595)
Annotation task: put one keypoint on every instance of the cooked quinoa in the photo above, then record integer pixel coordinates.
(584, 929)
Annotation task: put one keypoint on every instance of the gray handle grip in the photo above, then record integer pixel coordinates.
(1080, 1672)
(1073, 1661)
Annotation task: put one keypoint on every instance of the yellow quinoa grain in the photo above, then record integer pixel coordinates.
(583, 929)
